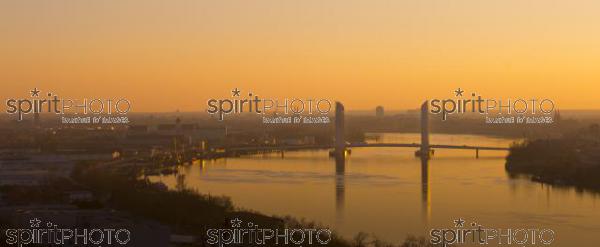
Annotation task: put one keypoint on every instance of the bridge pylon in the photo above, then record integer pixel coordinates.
(425, 148)
(340, 141)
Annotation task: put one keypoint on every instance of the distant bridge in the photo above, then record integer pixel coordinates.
(357, 145)
(340, 144)
(259, 149)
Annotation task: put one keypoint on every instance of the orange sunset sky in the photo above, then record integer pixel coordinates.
(168, 55)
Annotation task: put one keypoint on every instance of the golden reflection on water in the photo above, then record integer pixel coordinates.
(340, 187)
(391, 193)
(425, 189)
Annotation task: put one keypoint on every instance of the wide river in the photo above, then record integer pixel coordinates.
(391, 194)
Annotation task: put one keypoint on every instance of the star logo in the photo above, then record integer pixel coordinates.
(459, 92)
(459, 223)
(35, 223)
(35, 92)
(235, 92)
(235, 222)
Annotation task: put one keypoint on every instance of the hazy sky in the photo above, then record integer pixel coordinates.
(168, 55)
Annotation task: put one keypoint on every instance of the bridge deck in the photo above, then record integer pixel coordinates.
(416, 145)
(358, 145)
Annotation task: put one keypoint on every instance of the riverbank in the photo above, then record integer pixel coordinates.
(189, 212)
(570, 161)
(185, 211)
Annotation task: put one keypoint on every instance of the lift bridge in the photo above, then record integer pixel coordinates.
(425, 148)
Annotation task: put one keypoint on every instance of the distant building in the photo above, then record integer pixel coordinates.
(164, 134)
(379, 111)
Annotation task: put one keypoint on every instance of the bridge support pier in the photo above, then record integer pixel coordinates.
(477, 153)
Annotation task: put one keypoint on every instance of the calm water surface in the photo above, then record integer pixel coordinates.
(387, 191)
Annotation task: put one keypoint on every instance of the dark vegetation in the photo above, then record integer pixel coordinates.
(573, 159)
(186, 211)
